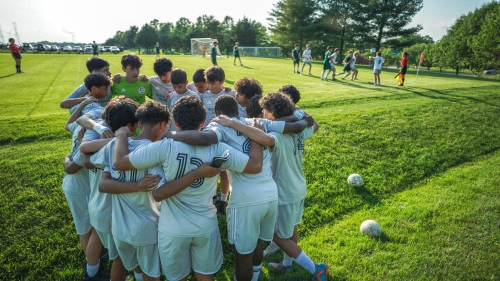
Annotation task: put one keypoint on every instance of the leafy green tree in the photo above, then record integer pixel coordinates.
(380, 22)
(165, 36)
(487, 42)
(146, 37)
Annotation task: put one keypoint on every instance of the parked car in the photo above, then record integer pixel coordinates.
(106, 48)
(77, 49)
(48, 48)
(27, 47)
(88, 48)
(4, 46)
(40, 48)
(54, 48)
(114, 49)
(67, 49)
(121, 48)
(491, 72)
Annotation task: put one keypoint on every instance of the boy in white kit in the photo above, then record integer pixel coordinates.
(377, 68)
(307, 57)
(215, 77)
(161, 84)
(179, 81)
(188, 228)
(246, 88)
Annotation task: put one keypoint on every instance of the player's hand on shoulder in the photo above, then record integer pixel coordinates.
(224, 120)
(207, 171)
(258, 124)
(89, 100)
(227, 89)
(167, 95)
(123, 131)
(148, 183)
(116, 78)
(108, 134)
(144, 78)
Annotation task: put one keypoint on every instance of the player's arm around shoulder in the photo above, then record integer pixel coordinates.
(76, 114)
(192, 137)
(109, 185)
(255, 133)
(120, 157)
(70, 167)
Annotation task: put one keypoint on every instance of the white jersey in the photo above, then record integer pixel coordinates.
(77, 183)
(307, 55)
(99, 203)
(191, 212)
(247, 189)
(287, 154)
(160, 89)
(171, 101)
(208, 100)
(135, 215)
(192, 87)
(377, 62)
(242, 111)
(334, 58)
(353, 61)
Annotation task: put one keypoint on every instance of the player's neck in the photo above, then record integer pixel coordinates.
(216, 91)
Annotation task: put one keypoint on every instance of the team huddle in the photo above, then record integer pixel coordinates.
(141, 178)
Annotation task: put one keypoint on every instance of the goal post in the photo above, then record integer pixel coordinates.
(266, 52)
(197, 45)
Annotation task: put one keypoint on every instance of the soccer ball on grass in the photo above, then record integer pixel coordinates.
(370, 228)
(355, 180)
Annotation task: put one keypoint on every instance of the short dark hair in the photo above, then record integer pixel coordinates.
(132, 60)
(277, 103)
(178, 76)
(119, 112)
(199, 75)
(248, 87)
(329, 47)
(377, 53)
(214, 73)
(291, 91)
(253, 107)
(405, 53)
(96, 63)
(162, 66)
(189, 113)
(226, 105)
(152, 113)
(336, 49)
(96, 79)
(296, 45)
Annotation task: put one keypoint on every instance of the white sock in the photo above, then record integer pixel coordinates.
(138, 276)
(287, 260)
(92, 269)
(306, 262)
(328, 73)
(223, 197)
(256, 272)
(322, 75)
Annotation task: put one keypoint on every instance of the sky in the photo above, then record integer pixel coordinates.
(88, 20)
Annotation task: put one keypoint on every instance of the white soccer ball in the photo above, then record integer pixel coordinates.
(355, 180)
(370, 228)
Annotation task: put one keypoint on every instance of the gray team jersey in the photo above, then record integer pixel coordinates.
(208, 100)
(77, 93)
(192, 87)
(77, 183)
(160, 89)
(247, 189)
(287, 154)
(173, 98)
(94, 109)
(99, 203)
(135, 214)
(191, 212)
(242, 111)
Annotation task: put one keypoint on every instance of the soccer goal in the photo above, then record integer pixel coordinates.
(266, 52)
(198, 43)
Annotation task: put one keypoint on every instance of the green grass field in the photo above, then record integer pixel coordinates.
(428, 152)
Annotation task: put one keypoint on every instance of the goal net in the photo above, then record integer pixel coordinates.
(198, 43)
(267, 52)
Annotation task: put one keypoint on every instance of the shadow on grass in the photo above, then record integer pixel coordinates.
(8, 75)
(383, 237)
(436, 94)
(368, 197)
(247, 67)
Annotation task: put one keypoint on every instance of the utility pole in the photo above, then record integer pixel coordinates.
(2, 40)
(17, 34)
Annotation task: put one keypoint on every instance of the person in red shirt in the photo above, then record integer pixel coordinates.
(16, 54)
(404, 67)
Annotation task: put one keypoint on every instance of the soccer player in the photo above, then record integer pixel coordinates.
(204, 50)
(377, 68)
(296, 58)
(94, 64)
(188, 230)
(307, 57)
(157, 48)
(347, 65)
(16, 54)
(130, 85)
(253, 107)
(327, 65)
(236, 52)
(161, 84)
(246, 88)
(213, 53)
(94, 49)
(353, 66)
(404, 67)
(179, 81)
(215, 77)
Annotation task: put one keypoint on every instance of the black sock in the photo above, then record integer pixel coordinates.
(18, 68)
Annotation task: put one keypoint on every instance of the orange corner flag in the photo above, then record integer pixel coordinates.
(421, 57)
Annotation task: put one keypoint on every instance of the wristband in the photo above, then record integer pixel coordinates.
(100, 128)
(299, 114)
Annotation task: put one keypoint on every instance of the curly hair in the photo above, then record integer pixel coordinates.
(96, 79)
(253, 107)
(96, 63)
(178, 76)
(162, 66)
(189, 113)
(291, 91)
(152, 113)
(131, 59)
(199, 75)
(277, 103)
(214, 73)
(226, 105)
(248, 87)
(119, 112)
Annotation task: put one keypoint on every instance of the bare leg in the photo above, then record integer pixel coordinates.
(203, 277)
(118, 271)
(84, 241)
(243, 265)
(94, 247)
